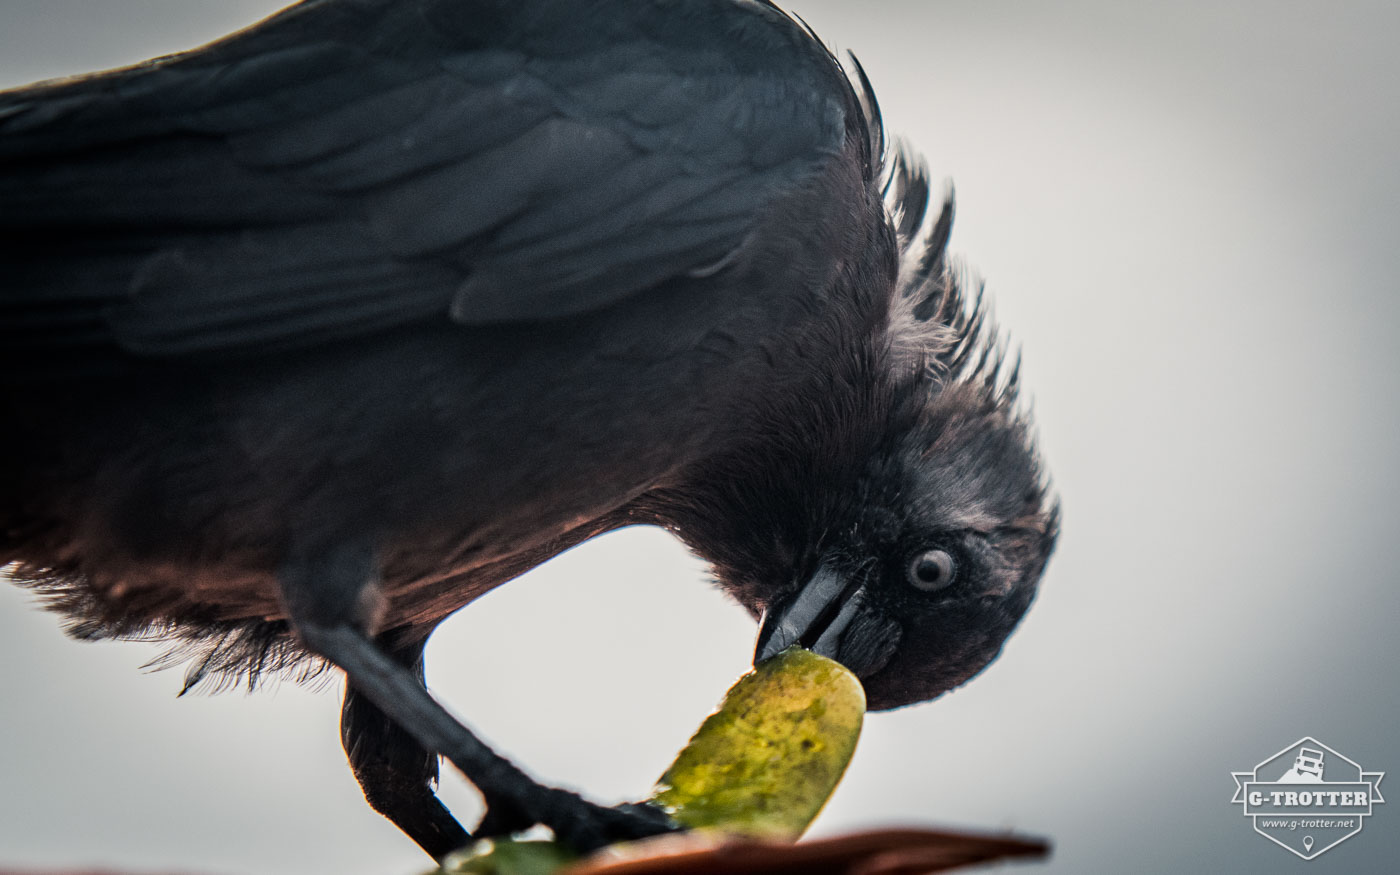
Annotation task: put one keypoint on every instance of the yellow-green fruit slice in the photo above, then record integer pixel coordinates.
(764, 764)
(761, 766)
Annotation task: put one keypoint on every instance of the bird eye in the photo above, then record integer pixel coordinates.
(932, 570)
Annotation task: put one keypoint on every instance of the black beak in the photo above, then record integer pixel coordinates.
(815, 617)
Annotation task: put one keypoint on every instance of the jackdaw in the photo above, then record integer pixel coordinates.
(316, 334)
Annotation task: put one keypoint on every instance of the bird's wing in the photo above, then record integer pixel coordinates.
(352, 165)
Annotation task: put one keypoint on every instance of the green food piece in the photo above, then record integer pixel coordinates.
(761, 766)
(765, 763)
(509, 857)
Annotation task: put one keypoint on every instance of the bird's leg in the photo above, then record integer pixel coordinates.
(333, 599)
(395, 771)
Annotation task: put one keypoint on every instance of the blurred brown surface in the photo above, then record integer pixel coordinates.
(875, 852)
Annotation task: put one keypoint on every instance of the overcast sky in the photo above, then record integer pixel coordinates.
(1187, 214)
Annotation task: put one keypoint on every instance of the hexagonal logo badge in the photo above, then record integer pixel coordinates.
(1308, 798)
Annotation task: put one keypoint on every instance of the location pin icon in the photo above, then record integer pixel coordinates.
(1307, 843)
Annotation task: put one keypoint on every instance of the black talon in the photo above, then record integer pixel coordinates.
(649, 813)
(582, 825)
(594, 827)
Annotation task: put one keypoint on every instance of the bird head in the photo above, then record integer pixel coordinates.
(895, 514)
(916, 581)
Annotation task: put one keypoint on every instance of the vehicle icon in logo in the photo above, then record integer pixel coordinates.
(1307, 768)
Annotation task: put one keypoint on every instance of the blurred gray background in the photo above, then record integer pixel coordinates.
(1187, 214)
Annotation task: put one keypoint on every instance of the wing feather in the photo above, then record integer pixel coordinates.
(354, 165)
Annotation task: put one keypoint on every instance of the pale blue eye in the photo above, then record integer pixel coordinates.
(932, 570)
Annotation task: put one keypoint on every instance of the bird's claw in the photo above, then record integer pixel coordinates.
(591, 826)
(651, 820)
(576, 822)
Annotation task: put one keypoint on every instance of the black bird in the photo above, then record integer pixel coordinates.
(315, 334)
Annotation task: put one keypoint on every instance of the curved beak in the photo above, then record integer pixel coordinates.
(815, 617)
